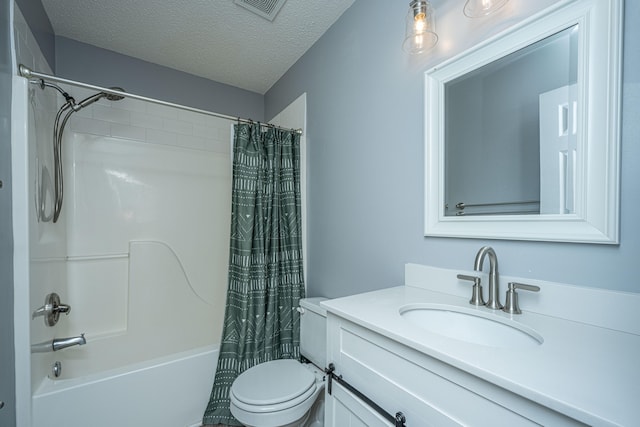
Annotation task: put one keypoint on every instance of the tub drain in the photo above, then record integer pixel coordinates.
(56, 370)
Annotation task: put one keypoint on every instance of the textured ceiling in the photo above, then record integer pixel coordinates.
(214, 39)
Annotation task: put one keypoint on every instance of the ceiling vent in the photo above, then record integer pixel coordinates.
(268, 9)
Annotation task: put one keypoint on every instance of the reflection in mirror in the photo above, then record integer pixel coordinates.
(510, 132)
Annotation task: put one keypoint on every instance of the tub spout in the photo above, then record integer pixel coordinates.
(58, 344)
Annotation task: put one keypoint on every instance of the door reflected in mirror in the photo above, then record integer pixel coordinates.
(510, 132)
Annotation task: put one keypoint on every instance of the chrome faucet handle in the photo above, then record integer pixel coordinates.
(476, 296)
(51, 309)
(511, 302)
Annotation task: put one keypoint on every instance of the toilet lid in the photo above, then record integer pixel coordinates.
(274, 382)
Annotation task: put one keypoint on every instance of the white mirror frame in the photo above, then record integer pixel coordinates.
(595, 219)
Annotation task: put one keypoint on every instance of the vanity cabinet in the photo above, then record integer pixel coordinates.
(426, 390)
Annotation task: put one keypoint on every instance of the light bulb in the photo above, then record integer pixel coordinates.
(478, 8)
(420, 35)
(419, 23)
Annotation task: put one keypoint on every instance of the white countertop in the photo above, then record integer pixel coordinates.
(587, 372)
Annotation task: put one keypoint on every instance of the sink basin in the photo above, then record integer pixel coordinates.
(470, 325)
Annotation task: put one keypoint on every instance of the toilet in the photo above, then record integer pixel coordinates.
(286, 392)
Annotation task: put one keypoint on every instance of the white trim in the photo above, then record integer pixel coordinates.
(20, 214)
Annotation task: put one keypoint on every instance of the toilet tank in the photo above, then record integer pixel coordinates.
(313, 331)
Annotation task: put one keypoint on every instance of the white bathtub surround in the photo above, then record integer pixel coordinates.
(140, 287)
(585, 368)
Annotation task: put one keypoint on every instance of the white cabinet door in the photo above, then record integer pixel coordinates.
(344, 409)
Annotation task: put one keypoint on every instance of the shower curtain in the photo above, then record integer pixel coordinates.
(265, 265)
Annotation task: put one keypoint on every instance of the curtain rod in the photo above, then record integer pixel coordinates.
(29, 73)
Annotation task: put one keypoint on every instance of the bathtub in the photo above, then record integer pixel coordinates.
(171, 391)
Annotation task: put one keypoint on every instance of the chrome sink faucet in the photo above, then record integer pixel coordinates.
(494, 298)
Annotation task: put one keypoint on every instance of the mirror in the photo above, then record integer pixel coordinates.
(500, 116)
(522, 131)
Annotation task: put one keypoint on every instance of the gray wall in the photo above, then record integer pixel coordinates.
(365, 162)
(7, 362)
(40, 26)
(89, 64)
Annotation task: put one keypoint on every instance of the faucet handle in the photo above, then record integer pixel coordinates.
(51, 309)
(476, 296)
(511, 302)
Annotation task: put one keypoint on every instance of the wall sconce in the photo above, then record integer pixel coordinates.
(420, 35)
(478, 8)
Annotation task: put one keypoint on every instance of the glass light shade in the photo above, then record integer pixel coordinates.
(478, 8)
(420, 34)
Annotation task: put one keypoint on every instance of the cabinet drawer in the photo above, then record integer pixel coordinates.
(429, 392)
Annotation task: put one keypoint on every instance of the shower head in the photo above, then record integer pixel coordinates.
(112, 97)
(93, 98)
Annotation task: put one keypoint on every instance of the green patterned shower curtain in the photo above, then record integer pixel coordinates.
(266, 282)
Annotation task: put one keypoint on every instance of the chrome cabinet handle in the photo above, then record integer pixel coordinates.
(476, 295)
(51, 309)
(511, 302)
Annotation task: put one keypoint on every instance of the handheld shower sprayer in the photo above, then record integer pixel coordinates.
(64, 113)
(93, 98)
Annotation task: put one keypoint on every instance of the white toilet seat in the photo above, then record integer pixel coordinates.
(273, 386)
(274, 393)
